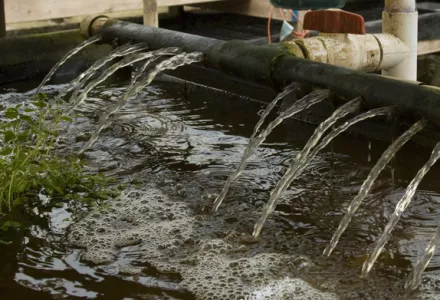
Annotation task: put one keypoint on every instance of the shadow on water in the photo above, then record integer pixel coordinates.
(180, 143)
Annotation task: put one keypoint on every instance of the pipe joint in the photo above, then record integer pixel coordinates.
(91, 25)
(404, 26)
(364, 52)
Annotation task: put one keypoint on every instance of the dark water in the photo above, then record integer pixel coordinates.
(181, 145)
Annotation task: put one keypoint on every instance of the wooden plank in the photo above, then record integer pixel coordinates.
(151, 17)
(162, 3)
(34, 10)
(254, 8)
(428, 47)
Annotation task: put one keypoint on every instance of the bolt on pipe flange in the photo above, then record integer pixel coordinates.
(92, 24)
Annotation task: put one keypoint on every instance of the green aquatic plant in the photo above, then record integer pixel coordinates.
(30, 167)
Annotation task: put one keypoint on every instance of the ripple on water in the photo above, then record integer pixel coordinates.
(183, 149)
(418, 225)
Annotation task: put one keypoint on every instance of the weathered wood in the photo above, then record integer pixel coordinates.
(34, 10)
(254, 8)
(428, 47)
(151, 17)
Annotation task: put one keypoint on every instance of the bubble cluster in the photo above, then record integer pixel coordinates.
(165, 233)
(138, 217)
(218, 276)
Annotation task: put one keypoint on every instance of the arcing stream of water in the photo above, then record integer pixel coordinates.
(137, 86)
(400, 208)
(366, 186)
(337, 131)
(100, 63)
(254, 142)
(76, 99)
(415, 278)
(302, 160)
(288, 177)
(74, 51)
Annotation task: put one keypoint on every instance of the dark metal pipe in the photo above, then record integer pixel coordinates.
(2, 19)
(272, 65)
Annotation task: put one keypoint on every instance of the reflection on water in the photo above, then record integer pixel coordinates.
(184, 147)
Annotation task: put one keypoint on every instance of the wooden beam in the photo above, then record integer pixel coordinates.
(254, 8)
(35, 10)
(151, 17)
(163, 3)
(428, 47)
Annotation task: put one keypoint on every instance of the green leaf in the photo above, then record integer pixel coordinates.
(9, 136)
(11, 113)
(50, 186)
(19, 201)
(10, 224)
(22, 137)
(40, 103)
(28, 110)
(27, 119)
(5, 151)
(67, 119)
(20, 187)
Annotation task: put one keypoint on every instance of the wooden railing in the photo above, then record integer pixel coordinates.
(18, 11)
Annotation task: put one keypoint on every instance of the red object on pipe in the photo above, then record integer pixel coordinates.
(334, 21)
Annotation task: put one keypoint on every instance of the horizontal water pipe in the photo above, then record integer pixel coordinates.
(275, 66)
(363, 52)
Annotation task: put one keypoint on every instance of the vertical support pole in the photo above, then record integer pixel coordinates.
(151, 17)
(400, 18)
(299, 25)
(2, 19)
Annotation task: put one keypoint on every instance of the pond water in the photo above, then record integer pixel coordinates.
(174, 148)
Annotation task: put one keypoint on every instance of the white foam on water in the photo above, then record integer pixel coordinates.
(165, 233)
(289, 288)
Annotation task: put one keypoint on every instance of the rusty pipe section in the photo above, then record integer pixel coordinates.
(274, 65)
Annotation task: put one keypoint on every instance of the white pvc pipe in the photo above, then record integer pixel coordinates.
(400, 18)
(401, 6)
(362, 52)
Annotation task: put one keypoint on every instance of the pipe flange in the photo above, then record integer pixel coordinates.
(86, 26)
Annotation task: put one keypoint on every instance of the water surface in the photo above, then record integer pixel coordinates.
(174, 148)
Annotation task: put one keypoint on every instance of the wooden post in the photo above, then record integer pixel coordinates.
(299, 25)
(2, 19)
(151, 17)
